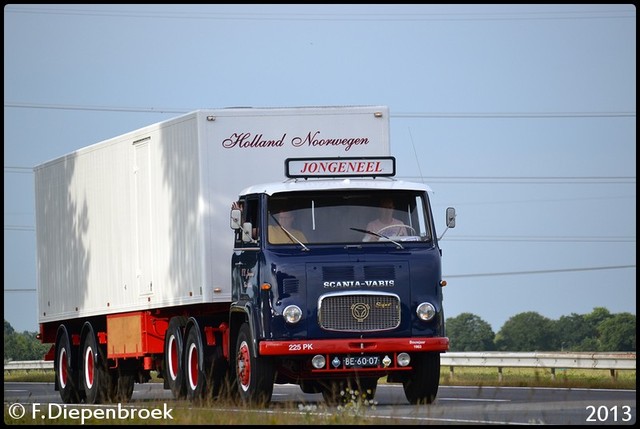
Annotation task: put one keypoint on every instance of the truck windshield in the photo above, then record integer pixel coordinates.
(348, 217)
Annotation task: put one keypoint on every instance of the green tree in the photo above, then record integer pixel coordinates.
(573, 332)
(591, 343)
(618, 333)
(9, 341)
(526, 332)
(22, 346)
(468, 332)
(597, 316)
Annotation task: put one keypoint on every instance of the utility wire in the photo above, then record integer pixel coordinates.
(563, 270)
(468, 179)
(345, 16)
(513, 273)
(459, 115)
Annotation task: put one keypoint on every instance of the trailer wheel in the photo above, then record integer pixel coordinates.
(95, 375)
(255, 375)
(194, 365)
(173, 354)
(421, 387)
(121, 387)
(66, 371)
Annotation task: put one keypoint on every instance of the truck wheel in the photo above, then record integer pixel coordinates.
(194, 365)
(65, 370)
(173, 353)
(95, 376)
(255, 375)
(421, 387)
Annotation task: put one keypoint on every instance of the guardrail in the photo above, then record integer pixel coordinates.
(553, 361)
(27, 365)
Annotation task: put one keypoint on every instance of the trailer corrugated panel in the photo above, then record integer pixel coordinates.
(83, 230)
(118, 226)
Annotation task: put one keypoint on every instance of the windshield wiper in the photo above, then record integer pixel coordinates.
(291, 236)
(366, 231)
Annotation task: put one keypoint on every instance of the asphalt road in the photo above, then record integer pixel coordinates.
(454, 404)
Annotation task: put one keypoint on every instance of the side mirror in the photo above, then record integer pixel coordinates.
(247, 233)
(236, 214)
(451, 217)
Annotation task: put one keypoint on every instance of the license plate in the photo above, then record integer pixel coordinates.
(361, 361)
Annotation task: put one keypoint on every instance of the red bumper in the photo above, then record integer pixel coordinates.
(340, 346)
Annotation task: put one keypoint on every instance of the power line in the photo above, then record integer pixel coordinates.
(440, 115)
(20, 170)
(568, 239)
(466, 238)
(470, 179)
(574, 180)
(19, 228)
(564, 270)
(506, 115)
(513, 273)
(96, 108)
(386, 17)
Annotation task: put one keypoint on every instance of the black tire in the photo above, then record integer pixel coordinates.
(173, 356)
(217, 375)
(367, 387)
(93, 371)
(66, 370)
(254, 375)
(121, 388)
(334, 392)
(310, 386)
(194, 365)
(421, 387)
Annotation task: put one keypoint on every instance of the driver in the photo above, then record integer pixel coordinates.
(385, 223)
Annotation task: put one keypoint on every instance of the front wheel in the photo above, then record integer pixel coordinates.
(254, 375)
(421, 387)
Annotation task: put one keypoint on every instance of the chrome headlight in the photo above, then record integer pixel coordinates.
(426, 311)
(292, 314)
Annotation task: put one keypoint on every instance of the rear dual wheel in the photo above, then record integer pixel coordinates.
(100, 384)
(96, 380)
(66, 369)
(173, 356)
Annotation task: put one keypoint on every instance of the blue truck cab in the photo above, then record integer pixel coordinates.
(337, 282)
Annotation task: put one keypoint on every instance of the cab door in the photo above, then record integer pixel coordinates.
(245, 259)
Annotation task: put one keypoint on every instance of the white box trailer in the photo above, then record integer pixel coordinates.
(141, 221)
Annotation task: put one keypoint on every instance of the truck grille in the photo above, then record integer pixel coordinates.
(344, 311)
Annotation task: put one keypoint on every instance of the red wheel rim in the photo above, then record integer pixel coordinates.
(62, 368)
(244, 365)
(89, 365)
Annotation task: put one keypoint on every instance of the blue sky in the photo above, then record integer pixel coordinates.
(523, 117)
